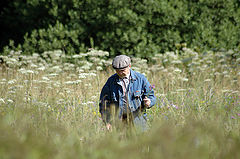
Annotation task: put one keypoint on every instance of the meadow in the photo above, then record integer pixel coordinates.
(49, 106)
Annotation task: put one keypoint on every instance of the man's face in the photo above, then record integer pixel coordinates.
(123, 72)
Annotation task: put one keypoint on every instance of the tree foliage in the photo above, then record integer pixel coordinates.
(137, 27)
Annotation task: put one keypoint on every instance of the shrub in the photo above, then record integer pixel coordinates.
(138, 28)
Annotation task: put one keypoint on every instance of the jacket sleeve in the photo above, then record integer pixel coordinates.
(104, 103)
(149, 92)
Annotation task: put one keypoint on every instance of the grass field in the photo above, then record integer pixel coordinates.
(49, 107)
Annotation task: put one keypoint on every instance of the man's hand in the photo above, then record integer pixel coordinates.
(109, 127)
(147, 101)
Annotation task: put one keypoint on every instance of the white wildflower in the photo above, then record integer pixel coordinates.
(176, 62)
(72, 75)
(90, 102)
(102, 62)
(22, 71)
(33, 65)
(49, 87)
(56, 69)
(57, 84)
(2, 100)
(10, 100)
(209, 62)
(177, 70)
(53, 75)
(71, 65)
(165, 60)
(88, 85)
(79, 70)
(45, 78)
(181, 90)
(184, 49)
(93, 97)
(92, 74)
(30, 71)
(95, 60)
(227, 76)
(225, 72)
(77, 56)
(42, 68)
(87, 65)
(99, 68)
(73, 82)
(78, 81)
(11, 92)
(60, 101)
(56, 54)
(226, 90)
(98, 53)
(159, 55)
(224, 66)
(195, 63)
(12, 81)
(35, 55)
(207, 80)
(26, 81)
(69, 82)
(205, 66)
(12, 61)
(165, 70)
(184, 79)
(44, 82)
(82, 76)
(107, 62)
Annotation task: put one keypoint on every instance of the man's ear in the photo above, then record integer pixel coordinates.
(129, 65)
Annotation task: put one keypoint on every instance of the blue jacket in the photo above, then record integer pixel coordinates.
(112, 95)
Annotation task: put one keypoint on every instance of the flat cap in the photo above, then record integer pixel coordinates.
(121, 61)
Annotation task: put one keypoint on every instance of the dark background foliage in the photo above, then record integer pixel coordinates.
(137, 27)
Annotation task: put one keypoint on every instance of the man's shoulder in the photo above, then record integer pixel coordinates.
(112, 77)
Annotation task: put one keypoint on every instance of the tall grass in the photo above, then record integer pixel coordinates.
(49, 107)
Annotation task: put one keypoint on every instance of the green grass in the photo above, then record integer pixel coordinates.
(52, 114)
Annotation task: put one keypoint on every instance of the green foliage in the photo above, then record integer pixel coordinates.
(138, 27)
(53, 38)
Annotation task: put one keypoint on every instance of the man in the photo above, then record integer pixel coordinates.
(129, 93)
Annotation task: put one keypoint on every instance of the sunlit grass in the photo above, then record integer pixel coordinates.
(49, 107)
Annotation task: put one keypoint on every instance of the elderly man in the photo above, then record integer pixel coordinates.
(129, 93)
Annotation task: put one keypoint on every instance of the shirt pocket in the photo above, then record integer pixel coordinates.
(137, 98)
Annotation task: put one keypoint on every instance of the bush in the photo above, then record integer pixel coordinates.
(55, 37)
(138, 28)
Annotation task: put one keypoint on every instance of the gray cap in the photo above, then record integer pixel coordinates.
(121, 61)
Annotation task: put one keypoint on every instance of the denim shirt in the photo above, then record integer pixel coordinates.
(112, 94)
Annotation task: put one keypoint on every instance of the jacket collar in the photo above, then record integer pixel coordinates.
(133, 77)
